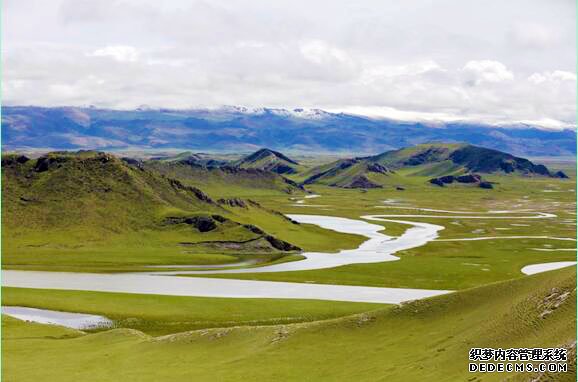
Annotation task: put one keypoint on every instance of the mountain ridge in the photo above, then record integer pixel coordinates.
(236, 129)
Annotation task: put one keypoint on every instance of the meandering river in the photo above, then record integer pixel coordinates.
(378, 247)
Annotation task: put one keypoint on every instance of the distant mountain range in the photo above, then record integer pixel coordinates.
(242, 129)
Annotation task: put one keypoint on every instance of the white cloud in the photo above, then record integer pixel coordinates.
(477, 72)
(443, 60)
(555, 76)
(118, 52)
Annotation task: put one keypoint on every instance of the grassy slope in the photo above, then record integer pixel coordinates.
(266, 159)
(225, 184)
(87, 214)
(424, 340)
(159, 315)
(434, 158)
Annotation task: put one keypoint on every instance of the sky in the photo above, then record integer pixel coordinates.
(490, 61)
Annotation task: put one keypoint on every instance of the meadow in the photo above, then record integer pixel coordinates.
(231, 339)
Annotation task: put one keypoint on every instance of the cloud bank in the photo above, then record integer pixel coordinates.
(486, 61)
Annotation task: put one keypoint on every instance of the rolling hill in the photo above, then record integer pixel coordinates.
(444, 162)
(94, 207)
(268, 160)
(223, 178)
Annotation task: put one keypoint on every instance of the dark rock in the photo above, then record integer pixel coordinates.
(486, 185)
(347, 163)
(201, 223)
(376, 167)
(561, 175)
(9, 160)
(400, 188)
(448, 179)
(280, 244)
(234, 202)
(437, 182)
(219, 218)
(254, 229)
(49, 162)
(469, 178)
(195, 191)
(133, 162)
(362, 182)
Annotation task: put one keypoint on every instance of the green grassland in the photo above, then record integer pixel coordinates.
(159, 315)
(130, 238)
(85, 212)
(223, 183)
(426, 340)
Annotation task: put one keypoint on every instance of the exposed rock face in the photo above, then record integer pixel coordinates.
(468, 179)
(280, 244)
(219, 218)
(47, 163)
(437, 182)
(9, 160)
(201, 223)
(376, 167)
(234, 202)
(486, 185)
(133, 162)
(362, 182)
(195, 191)
(254, 229)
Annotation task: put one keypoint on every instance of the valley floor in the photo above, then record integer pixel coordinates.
(207, 339)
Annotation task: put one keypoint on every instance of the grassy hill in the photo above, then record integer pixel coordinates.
(224, 180)
(269, 160)
(426, 160)
(93, 211)
(425, 340)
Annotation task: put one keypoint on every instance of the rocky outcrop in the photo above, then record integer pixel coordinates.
(49, 162)
(280, 244)
(376, 167)
(466, 179)
(201, 223)
(233, 202)
(177, 185)
(254, 229)
(362, 182)
(469, 178)
(9, 160)
(133, 162)
(561, 175)
(486, 185)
